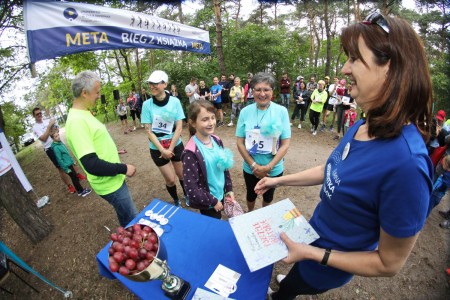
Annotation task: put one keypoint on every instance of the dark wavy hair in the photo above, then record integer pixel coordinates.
(407, 96)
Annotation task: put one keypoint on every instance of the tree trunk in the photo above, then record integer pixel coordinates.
(21, 207)
(327, 30)
(220, 55)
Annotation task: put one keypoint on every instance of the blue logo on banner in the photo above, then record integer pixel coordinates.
(70, 14)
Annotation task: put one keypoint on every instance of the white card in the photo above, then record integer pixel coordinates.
(223, 281)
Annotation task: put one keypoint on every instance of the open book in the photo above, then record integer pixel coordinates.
(258, 233)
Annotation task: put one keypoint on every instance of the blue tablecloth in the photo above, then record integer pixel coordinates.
(195, 246)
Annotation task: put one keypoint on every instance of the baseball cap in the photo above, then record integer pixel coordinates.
(440, 115)
(300, 77)
(327, 77)
(158, 76)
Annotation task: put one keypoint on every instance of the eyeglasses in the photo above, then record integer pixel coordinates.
(377, 18)
(38, 114)
(154, 83)
(266, 90)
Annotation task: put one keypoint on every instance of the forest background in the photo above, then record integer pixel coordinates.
(297, 37)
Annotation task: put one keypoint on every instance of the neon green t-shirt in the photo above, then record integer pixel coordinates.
(85, 135)
(322, 97)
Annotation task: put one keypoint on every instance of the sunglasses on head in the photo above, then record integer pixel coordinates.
(377, 18)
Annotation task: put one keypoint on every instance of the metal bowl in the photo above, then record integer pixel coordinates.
(155, 269)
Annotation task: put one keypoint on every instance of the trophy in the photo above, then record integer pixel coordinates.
(173, 286)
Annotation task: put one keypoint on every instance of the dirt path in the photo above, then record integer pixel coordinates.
(67, 256)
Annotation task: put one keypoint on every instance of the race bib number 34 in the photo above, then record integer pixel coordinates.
(160, 125)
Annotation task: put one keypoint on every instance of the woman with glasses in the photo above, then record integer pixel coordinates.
(163, 117)
(376, 184)
(263, 135)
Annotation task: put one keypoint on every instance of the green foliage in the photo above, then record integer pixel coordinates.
(14, 125)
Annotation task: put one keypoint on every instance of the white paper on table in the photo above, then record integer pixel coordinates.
(223, 281)
(201, 294)
(158, 230)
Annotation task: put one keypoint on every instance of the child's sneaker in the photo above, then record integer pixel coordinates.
(186, 200)
(177, 202)
(81, 176)
(85, 192)
(71, 188)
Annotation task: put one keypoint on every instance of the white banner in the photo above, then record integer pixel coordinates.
(8, 160)
(61, 28)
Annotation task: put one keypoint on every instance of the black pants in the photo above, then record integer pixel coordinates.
(294, 285)
(314, 118)
(340, 118)
(299, 111)
(75, 180)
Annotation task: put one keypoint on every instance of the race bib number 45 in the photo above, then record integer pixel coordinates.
(255, 143)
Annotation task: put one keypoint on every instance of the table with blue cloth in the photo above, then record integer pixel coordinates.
(195, 246)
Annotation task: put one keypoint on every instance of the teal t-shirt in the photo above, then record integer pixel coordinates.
(215, 177)
(162, 119)
(85, 135)
(250, 118)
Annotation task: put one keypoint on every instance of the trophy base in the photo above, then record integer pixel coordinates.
(181, 293)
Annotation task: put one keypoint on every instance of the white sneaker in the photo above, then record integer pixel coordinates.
(134, 128)
(290, 124)
(230, 124)
(280, 277)
(314, 132)
(269, 293)
(299, 126)
(142, 126)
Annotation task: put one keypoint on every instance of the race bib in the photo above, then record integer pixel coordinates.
(346, 100)
(162, 126)
(255, 143)
(332, 101)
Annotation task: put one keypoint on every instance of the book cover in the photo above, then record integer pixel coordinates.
(258, 233)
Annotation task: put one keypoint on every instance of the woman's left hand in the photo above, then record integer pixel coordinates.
(296, 251)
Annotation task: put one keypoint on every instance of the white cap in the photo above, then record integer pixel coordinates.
(158, 76)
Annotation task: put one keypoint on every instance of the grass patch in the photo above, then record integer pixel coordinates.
(27, 155)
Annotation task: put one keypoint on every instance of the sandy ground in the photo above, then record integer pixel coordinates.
(67, 255)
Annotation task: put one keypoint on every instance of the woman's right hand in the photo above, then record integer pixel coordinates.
(264, 185)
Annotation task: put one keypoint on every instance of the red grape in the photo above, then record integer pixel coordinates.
(133, 253)
(114, 237)
(152, 238)
(148, 246)
(142, 253)
(123, 270)
(126, 241)
(130, 264)
(136, 227)
(134, 244)
(111, 250)
(150, 255)
(118, 256)
(140, 266)
(155, 247)
(113, 266)
(147, 229)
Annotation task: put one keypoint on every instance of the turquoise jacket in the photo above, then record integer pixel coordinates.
(62, 156)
